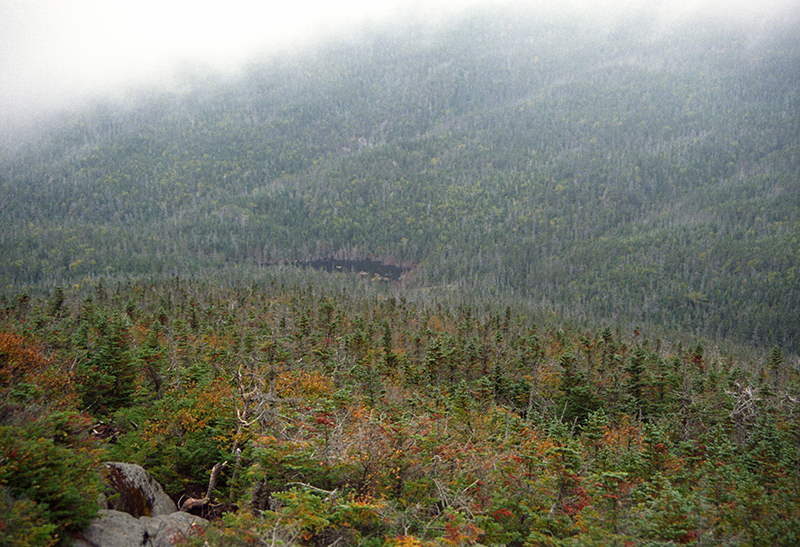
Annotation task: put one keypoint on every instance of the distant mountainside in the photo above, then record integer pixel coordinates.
(643, 177)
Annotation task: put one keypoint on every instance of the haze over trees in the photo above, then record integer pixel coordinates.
(594, 338)
(627, 175)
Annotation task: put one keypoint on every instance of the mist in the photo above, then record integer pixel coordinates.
(61, 54)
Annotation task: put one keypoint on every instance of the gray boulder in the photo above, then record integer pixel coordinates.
(141, 515)
(140, 495)
(118, 529)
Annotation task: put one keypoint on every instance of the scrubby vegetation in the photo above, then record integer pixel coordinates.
(346, 412)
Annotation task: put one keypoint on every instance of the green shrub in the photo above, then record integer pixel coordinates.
(48, 473)
(24, 523)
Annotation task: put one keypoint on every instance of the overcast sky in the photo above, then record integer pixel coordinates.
(53, 52)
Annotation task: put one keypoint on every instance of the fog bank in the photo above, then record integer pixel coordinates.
(56, 54)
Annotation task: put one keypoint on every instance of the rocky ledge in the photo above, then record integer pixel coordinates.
(136, 511)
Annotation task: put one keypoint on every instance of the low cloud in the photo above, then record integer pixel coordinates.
(54, 53)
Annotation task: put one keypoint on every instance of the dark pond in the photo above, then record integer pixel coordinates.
(367, 268)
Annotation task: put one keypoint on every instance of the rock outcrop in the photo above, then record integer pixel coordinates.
(137, 512)
(140, 495)
(118, 529)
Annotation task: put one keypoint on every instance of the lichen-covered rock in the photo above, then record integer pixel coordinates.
(167, 530)
(119, 529)
(111, 529)
(140, 495)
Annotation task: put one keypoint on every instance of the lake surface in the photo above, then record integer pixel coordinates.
(367, 268)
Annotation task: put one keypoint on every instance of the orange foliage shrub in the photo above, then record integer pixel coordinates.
(404, 541)
(625, 437)
(303, 384)
(23, 363)
(18, 362)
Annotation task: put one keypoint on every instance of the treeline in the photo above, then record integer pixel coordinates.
(351, 412)
(610, 174)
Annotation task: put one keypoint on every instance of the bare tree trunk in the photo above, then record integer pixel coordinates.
(212, 482)
(195, 506)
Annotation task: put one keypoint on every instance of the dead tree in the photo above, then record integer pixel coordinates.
(200, 507)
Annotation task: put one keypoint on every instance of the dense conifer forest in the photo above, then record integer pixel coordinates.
(508, 281)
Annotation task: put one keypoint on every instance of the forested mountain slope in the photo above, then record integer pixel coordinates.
(643, 175)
